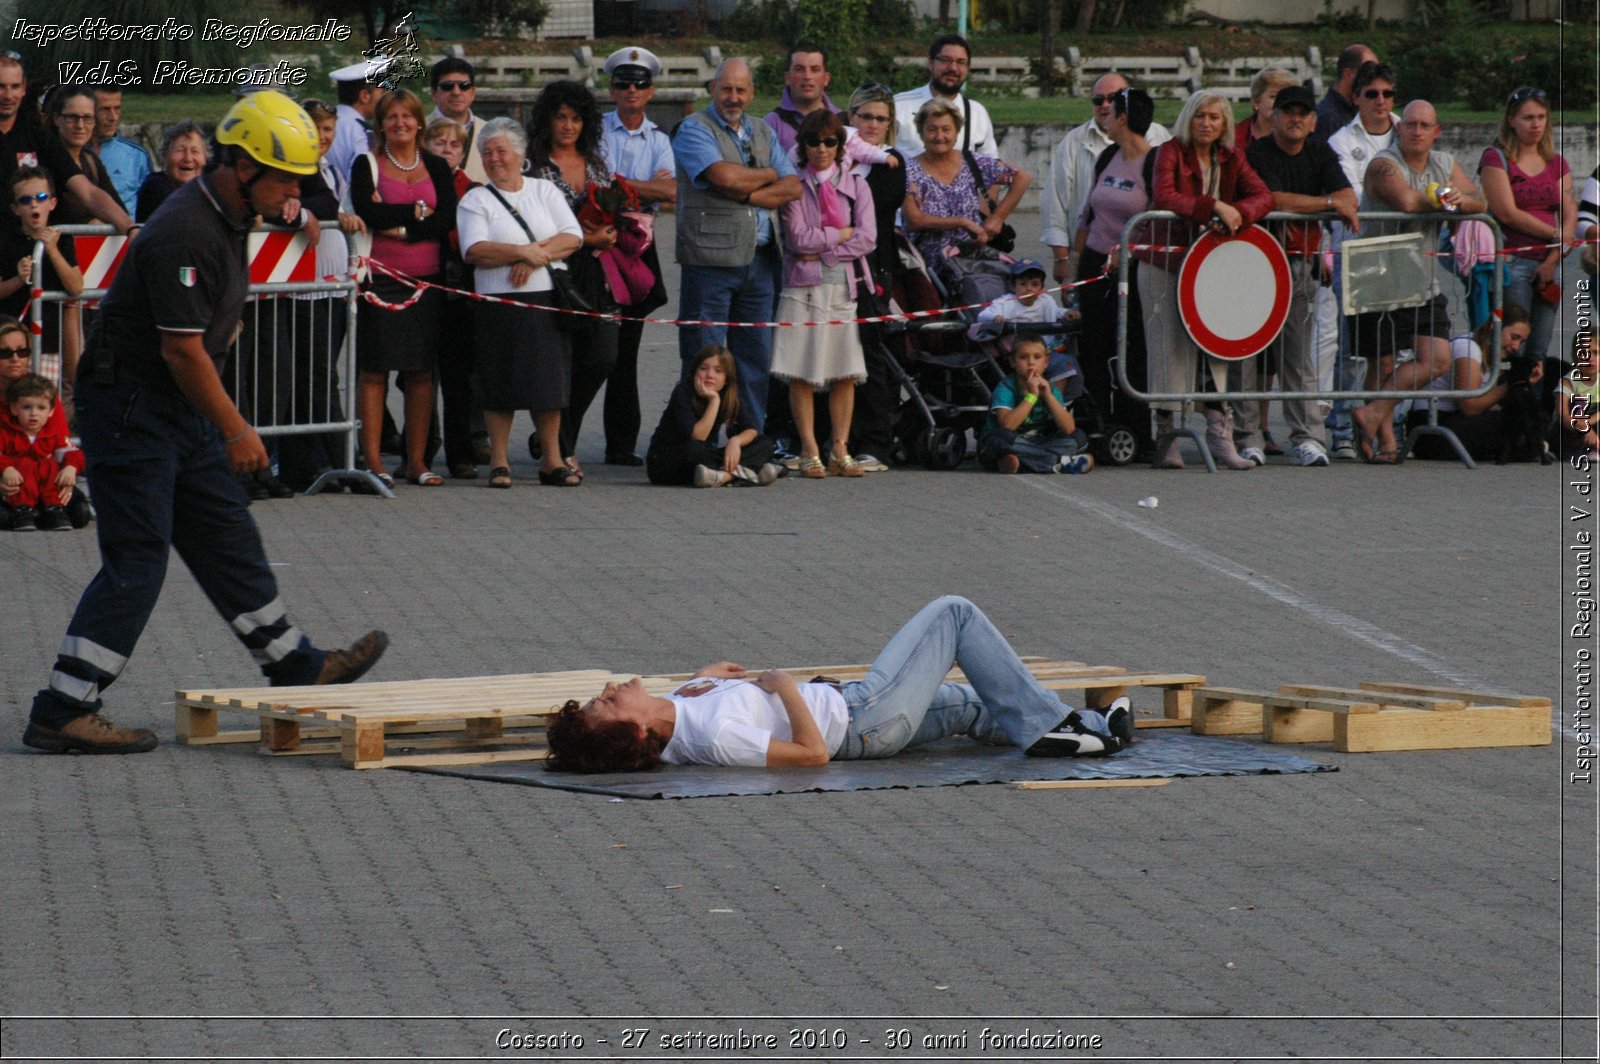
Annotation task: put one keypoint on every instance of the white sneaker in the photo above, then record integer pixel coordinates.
(1345, 450)
(1077, 463)
(870, 464)
(706, 477)
(1308, 453)
(1254, 454)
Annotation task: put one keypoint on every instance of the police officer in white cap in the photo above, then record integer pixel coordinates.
(634, 147)
(358, 90)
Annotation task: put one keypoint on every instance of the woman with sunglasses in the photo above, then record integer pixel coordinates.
(827, 235)
(1529, 189)
(71, 112)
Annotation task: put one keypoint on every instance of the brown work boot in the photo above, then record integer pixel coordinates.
(348, 666)
(89, 734)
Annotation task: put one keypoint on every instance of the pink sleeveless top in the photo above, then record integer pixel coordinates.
(419, 259)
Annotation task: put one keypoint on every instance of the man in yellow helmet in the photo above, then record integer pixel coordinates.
(165, 445)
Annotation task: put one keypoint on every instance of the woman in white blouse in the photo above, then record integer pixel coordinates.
(514, 230)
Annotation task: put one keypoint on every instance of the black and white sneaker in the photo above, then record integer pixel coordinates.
(1119, 720)
(1073, 738)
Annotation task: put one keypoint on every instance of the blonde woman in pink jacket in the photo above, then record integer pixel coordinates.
(827, 235)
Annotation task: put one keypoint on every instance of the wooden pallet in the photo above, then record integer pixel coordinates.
(481, 719)
(1375, 716)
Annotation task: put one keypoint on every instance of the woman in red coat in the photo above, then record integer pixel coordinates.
(1201, 177)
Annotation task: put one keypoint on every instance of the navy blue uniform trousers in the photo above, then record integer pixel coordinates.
(161, 482)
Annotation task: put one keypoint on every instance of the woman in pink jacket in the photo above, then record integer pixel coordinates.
(827, 235)
(1201, 177)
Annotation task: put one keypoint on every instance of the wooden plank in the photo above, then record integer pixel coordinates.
(1069, 785)
(1224, 712)
(1177, 703)
(1160, 722)
(1287, 724)
(1362, 694)
(279, 734)
(194, 723)
(1101, 697)
(1263, 698)
(483, 757)
(1483, 698)
(361, 745)
(1419, 729)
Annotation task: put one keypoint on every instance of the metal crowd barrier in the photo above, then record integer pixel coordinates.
(282, 370)
(1352, 359)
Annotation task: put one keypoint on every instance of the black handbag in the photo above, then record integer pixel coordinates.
(1006, 239)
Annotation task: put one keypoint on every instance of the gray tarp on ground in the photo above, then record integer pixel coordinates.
(1158, 753)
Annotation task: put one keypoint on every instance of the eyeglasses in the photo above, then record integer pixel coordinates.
(953, 60)
(76, 120)
(822, 142)
(14, 352)
(1527, 92)
(863, 117)
(1373, 94)
(1100, 99)
(28, 201)
(624, 84)
(454, 86)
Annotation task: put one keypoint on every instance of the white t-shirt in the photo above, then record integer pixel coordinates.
(480, 216)
(731, 722)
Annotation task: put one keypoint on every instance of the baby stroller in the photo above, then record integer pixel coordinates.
(947, 383)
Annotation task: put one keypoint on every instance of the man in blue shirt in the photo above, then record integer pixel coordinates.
(634, 147)
(732, 178)
(125, 160)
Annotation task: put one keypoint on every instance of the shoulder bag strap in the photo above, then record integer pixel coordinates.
(977, 176)
(966, 126)
(514, 212)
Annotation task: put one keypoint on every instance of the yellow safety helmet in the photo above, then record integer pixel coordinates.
(273, 130)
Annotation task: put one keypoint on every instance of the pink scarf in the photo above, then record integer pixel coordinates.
(832, 210)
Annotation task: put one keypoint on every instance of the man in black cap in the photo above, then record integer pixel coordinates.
(1305, 178)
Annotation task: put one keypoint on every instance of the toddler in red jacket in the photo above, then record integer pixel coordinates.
(39, 466)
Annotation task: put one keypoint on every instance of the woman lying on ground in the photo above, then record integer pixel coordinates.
(723, 717)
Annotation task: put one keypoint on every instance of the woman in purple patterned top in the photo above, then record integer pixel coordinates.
(944, 206)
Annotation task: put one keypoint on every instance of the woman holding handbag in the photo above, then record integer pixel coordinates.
(949, 197)
(512, 230)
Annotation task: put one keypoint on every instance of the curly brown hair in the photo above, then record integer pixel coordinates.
(576, 745)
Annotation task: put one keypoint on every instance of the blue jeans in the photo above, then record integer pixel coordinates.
(905, 700)
(162, 483)
(1542, 316)
(733, 293)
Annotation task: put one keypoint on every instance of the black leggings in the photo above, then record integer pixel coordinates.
(673, 464)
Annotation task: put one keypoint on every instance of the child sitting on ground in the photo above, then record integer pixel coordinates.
(32, 199)
(702, 438)
(38, 466)
(1578, 399)
(1030, 425)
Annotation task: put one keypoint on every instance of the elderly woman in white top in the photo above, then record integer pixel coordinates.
(513, 230)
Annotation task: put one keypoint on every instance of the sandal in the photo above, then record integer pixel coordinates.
(426, 479)
(811, 467)
(500, 477)
(386, 480)
(560, 477)
(843, 465)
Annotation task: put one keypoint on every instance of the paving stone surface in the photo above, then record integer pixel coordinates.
(1434, 904)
